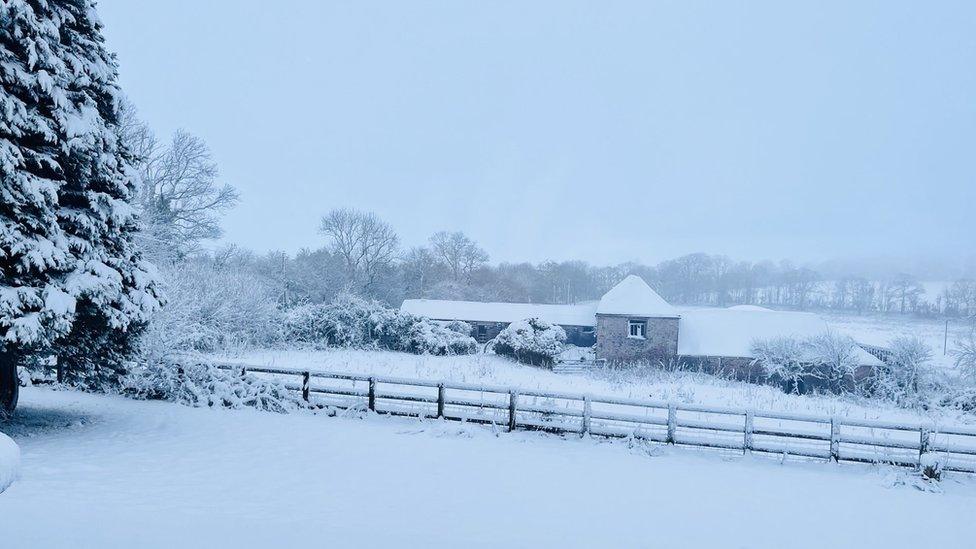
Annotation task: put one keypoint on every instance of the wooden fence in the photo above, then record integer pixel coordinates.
(778, 433)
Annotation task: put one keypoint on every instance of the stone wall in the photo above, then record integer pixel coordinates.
(731, 367)
(613, 343)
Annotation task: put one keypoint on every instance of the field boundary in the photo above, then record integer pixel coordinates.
(837, 439)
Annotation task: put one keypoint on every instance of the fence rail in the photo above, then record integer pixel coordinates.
(770, 432)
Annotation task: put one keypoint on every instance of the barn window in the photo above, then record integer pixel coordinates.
(637, 329)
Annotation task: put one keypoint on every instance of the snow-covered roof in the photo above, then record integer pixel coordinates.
(632, 296)
(730, 332)
(582, 314)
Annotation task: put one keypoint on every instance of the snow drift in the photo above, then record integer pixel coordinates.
(9, 461)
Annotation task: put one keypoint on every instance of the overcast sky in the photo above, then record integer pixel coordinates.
(604, 131)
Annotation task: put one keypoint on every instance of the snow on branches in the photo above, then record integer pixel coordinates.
(65, 183)
(351, 321)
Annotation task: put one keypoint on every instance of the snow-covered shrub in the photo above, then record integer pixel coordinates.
(9, 461)
(832, 357)
(825, 360)
(782, 358)
(201, 384)
(348, 321)
(965, 356)
(460, 326)
(431, 338)
(210, 308)
(901, 376)
(531, 341)
(354, 322)
(933, 464)
(963, 399)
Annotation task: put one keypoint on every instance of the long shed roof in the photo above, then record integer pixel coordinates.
(582, 314)
(731, 332)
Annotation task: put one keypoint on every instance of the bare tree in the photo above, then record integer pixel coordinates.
(180, 198)
(365, 243)
(420, 269)
(907, 291)
(461, 254)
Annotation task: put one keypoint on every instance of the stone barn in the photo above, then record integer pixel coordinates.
(633, 323)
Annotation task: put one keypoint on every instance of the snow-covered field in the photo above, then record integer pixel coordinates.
(104, 471)
(648, 383)
(880, 329)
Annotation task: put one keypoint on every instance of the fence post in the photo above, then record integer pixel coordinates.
(243, 371)
(512, 407)
(586, 415)
(371, 395)
(747, 434)
(305, 380)
(672, 422)
(834, 439)
(923, 443)
(440, 400)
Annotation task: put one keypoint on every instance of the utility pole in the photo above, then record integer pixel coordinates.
(945, 339)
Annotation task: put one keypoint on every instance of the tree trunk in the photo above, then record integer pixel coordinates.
(9, 384)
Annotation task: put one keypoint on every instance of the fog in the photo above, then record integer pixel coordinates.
(633, 131)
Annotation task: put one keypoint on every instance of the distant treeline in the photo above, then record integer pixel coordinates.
(361, 255)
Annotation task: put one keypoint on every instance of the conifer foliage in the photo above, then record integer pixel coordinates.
(71, 281)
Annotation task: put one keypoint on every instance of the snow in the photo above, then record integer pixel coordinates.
(632, 296)
(748, 308)
(881, 329)
(9, 461)
(731, 332)
(119, 472)
(582, 314)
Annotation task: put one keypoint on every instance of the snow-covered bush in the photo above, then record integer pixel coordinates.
(832, 360)
(963, 399)
(965, 356)
(431, 338)
(211, 307)
(782, 358)
(348, 321)
(460, 326)
(9, 461)
(933, 464)
(198, 384)
(901, 378)
(354, 322)
(825, 360)
(531, 341)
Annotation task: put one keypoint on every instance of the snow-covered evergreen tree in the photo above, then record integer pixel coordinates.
(65, 183)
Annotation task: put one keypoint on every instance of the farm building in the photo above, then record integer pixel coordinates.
(631, 322)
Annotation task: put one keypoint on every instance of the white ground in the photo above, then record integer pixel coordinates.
(880, 329)
(649, 383)
(103, 471)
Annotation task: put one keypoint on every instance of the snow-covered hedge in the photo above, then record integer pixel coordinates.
(354, 322)
(9, 461)
(531, 341)
(198, 384)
